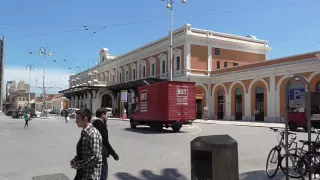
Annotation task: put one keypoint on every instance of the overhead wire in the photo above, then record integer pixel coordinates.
(99, 29)
(177, 16)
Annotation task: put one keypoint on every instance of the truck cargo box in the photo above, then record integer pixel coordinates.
(166, 102)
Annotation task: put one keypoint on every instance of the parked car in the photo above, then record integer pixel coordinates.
(34, 113)
(54, 111)
(17, 113)
(9, 112)
(109, 112)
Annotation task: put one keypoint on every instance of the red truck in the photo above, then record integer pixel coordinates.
(165, 104)
(297, 118)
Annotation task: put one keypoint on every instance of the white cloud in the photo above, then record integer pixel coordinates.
(54, 78)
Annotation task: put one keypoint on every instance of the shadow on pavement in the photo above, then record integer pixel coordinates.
(260, 175)
(147, 130)
(167, 174)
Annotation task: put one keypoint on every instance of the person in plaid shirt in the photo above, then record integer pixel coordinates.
(88, 161)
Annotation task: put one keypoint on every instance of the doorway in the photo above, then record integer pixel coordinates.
(238, 104)
(199, 108)
(220, 104)
(259, 113)
(106, 101)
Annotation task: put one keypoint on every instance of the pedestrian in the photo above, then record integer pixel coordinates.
(100, 123)
(66, 116)
(26, 119)
(88, 161)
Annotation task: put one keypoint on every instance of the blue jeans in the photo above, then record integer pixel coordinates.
(104, 169)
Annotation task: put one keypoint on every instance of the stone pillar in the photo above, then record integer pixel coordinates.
(273, 101)
(209, 101)
(89, 101)
(247, 105)
(209, 59)
(95, 103)
(76, 102)
(228, 108)
(138, 70)
(187, 61)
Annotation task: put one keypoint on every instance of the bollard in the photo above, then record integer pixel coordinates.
(214, 157)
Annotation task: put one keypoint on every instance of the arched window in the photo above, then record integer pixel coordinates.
(220, 92)
(259, 90)
(238, 91)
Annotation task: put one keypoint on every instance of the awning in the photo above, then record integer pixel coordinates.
(134, 84)
(80, 90)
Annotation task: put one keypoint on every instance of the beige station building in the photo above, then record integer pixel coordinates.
(234, 78)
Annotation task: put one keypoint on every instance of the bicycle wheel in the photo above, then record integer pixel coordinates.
(272, 160)
(297, 166)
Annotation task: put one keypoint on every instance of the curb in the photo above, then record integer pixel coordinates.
(249, 124)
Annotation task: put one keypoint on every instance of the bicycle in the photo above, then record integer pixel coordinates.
(310, 159)
(275, 152)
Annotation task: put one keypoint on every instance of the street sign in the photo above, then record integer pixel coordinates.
(124, 95)
(297, 98)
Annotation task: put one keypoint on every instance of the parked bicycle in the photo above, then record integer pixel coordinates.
(309, 161)
(276, 158)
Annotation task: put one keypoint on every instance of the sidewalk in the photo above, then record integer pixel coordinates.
(225, 122)
(240, 123)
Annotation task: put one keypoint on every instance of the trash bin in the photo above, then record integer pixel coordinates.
(214, 157)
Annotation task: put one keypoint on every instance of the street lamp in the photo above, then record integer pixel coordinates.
(170, 6)
(44, 51)
(29, 67)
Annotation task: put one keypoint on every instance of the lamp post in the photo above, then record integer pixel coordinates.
(44, 51)
(29, 67)
(170, 7)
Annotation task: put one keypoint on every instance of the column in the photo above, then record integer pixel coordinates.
(94, 102)
(89, 101)
(273, 99)
(76, 102)
(210, 101)
(187, 55)
(138, 70)
(209, 59)
(247, 105)
(228, 108)
(169, 64)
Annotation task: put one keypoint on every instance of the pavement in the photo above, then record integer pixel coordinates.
(47, 146)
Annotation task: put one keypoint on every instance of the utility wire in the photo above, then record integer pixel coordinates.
(157, 18)
(206, 14)
(176, 16)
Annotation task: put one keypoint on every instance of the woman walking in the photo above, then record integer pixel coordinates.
(26, 119)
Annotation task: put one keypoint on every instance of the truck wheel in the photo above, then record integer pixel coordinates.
(133, 124)
(293, 126)
(176, 127)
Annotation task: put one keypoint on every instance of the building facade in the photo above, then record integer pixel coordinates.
(196, 53)
(23, 86)
(2, 60)
(234, 78)
(53, 101)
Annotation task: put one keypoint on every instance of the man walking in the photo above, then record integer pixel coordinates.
(88, 161)
(100, 123)
(66, 115)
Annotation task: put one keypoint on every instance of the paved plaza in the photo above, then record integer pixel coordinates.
(47, 146)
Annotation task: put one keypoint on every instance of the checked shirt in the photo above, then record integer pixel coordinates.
(88, 161)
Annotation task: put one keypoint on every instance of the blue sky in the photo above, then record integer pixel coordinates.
(290, 26)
